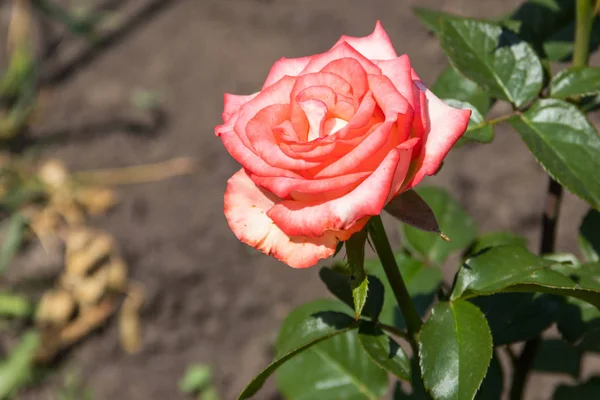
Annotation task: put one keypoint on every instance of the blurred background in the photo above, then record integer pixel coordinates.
(127, 83)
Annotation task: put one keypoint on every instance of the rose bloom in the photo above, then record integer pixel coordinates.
(327, 142)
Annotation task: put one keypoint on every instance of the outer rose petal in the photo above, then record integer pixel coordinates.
(446, 126)
(368, 199)
(245, 210)
(399, 72)
(286, 66)
(233, 103)
(376, 46)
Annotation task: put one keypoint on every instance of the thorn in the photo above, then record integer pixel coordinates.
(444, 237)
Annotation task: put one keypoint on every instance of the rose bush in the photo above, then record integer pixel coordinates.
(327, 142)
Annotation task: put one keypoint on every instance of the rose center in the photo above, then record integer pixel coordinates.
(333, 125)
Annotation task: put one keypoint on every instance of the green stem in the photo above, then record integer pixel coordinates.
(393, 330)
(583, 20)
(386, 255)
(495, 121)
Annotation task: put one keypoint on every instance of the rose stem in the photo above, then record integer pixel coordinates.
(386, 255)
(553, 200)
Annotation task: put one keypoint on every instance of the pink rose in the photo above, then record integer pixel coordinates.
(327, 142)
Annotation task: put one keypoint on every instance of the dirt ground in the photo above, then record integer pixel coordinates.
(212, 299)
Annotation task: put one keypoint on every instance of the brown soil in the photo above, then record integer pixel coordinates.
(212, 299)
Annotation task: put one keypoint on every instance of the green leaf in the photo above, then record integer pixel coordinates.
(355, 250)
(304, 327)
(575, 82)
(565, 144)
(558, 356)
(13, 238)
(450, 84)
(515, 317)
(337, 368)
(12, 305)
(587, 390)
(512, 268)
(494, 239)
(384, 351)
(493, 57)
(579, 323)
(455, 346)
(359, 295)
(454, 222)
(197, 378)
(430, 18)
(411, 209)
(589, 235)
(17, 368)
(477, 130)
(493, 384)
(422, 283)
(338, 283)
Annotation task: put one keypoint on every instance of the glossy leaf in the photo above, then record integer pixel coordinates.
(411, 209)
(337, 368)
(575, 82)
(494, 57)
(338, 283)
(384, 351)
(450, 84)
(18, 367)
(587, 390)
(565, 144)
(559, 357)
(422, 283)
(455, 346)
(304, 327)
(477, 130)
(454, 222)
(515, 317)
(494, 239)
(12, 240)
(589, 235)
(512, 268)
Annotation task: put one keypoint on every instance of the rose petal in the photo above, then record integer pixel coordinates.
(314, 219)
(278, 93)
(283, 187)
(352, 72)
(245, 210)
(376, 46)
(249, 159)
(260, 133)
(446, 125)
(398, 70)
(342, 50)
(386, 136)
(286, 66)
(233, 102)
